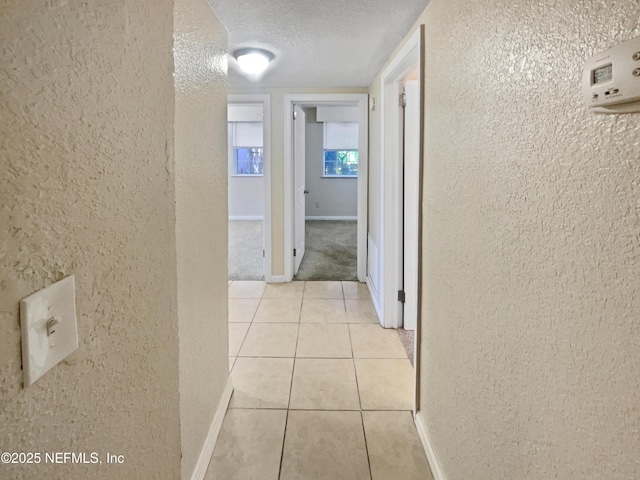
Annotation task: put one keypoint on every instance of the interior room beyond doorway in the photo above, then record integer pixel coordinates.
(248, 161)
(330, 193)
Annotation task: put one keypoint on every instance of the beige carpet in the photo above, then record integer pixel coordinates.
(330, 252)
(406, 337)
(245, 250)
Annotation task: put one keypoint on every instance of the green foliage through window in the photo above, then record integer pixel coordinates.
(340, 163)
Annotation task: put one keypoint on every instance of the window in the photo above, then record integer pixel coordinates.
(247, 154)
(340, 149)
(248, 161)
(340, 162)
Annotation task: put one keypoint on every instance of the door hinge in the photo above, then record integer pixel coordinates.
(262, 253)
(294, 252)
(295, 115)
(401, 296)
(403, 100)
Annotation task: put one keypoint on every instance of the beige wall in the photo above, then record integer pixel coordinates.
(531, 250)
(277, 162)
(201, 211)
(87, 188)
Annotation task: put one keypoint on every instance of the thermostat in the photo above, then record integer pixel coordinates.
(611, 79)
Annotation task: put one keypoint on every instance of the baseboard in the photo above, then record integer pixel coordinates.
(249, 217)
(374, 298)
(277, 279)
(423, 433)
(330, 218)
(202, 464)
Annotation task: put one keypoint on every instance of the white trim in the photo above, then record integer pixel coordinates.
(423, 433)
(362, 101)
(265, 99)
(279, 279)
(331, 218)
(248, 217)
(374, 297)
(389, 248)
(204, 458)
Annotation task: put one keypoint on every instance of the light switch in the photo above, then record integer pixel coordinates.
(49, 328)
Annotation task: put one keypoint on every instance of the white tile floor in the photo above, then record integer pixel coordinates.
(321, 391)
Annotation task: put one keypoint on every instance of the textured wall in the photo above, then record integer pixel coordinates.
(200, 53)
(86, 187)
(531, 250)
(335, 196)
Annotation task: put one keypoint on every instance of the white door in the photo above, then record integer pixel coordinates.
(411, 199)
(299, 185)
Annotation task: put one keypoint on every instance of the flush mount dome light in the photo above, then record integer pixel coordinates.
(253, 61)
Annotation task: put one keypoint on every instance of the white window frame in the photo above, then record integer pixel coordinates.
(325, 136)
(233, 162)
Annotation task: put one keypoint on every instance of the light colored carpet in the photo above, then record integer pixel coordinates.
(245, 250)
(406, 337)
(330, 252)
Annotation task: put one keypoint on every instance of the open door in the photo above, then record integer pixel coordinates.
(299, 124)
(411, 185)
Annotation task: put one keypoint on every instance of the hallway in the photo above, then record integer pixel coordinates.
(321, 391)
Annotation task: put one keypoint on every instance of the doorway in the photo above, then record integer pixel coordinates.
(296, 211)
(400, 189)
(410, 145)
(326, 188)
(401, 147)
(249, 139)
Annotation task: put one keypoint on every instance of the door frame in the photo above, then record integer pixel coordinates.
(265, 100)
(407, 59)
(410, 56)
(299, 176)
(410, 199)
(361, 100)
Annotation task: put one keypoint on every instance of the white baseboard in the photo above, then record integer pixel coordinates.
(277, 279)
(423, 433)
(249, 217)
(202, 464)
(374, 298)
(330, 218)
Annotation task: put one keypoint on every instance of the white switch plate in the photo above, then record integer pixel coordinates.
(41, 349)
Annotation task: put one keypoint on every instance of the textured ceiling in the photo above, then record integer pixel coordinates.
(325, 43)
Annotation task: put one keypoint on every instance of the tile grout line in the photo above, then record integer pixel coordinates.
(284, 437)
(253, 317)
(281, 409)
(242, 342)
(366, 445)
(355, 372)
(295, 357)
(293, 370)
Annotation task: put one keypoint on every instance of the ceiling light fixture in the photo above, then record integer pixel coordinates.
(253, 61)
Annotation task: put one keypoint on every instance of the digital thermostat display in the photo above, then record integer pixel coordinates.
(603, 74)
(611, 79)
